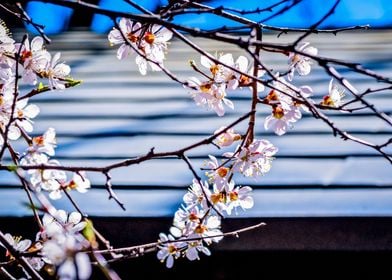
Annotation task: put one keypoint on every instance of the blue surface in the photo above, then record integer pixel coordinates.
(377, 13)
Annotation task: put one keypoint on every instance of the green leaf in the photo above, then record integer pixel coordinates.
(12, 168)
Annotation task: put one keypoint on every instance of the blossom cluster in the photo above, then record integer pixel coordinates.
(52, 180)
(35, 63)
(149, 42)
(222, 76)
(58, 244)
(197, 223)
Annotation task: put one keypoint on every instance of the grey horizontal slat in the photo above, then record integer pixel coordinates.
(268, 203)
(286, 172)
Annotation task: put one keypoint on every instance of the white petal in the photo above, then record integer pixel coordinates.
(37, 44)
(23, 245)
(206, 62)
(62, 70)
(61, 216)
(192, 254)
(14, 133)
(169, 261)
(247, 203)
(115, 37)
(31, 111)
(242, 63)
(142, 64)
(228, 103)
(67, 270)
(123, 51)
(162, 254)
(227, 59)
(74, 218)
(83, 265)
(165, 34)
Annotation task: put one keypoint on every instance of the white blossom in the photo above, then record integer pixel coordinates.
(255, 159)
(210, 95)
(299, 62)
(335, 95)
(56, 72)
(169, 249)
(243, 65)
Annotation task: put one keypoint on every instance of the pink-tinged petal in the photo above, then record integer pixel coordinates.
(23, 245)
(228, 103)
(47, 219)
(303, 67)
(61, 70)
(83, 265)
(269, 121)
(79, 227)
(244, 190)
(55, 59)
(115, 37)
(232, 84)
(303, 45)
(36, 44)
(29, 77)
(123, 51)
(137, 28)
(220, 111)
(125, 25)
(306, 89)
(10, 239)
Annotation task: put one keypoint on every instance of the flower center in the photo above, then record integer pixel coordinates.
(132, 37)
(25, 55)
(214, 69)
(233, 196)
(244, 80)
(149, 38)
(72, 185)
(222, 171)
(273, 96)
(200, 229)
(218, 197)
(205, 88)
(193, 217)
(278, 112)
(39, 140)
(327, 101)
